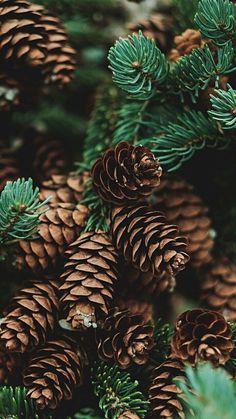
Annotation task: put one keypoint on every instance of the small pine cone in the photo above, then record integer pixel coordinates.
(60, 226)
(186, 42)
(48, 158)
(31, 317)
(147, 241)
(157, 27)
(126, 173)
(64, 188)
(202, 335)
(53, 373)
(8, 165)
(87, 289)
(147, 282)
(124, 338)
(10, 367)
(181, 206)
(33, 44)
(219, 287)
(128, 415)
(164, 393)
(136, 307)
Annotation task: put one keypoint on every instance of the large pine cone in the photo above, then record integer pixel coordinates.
(186, 43)
(136, 307)
(33, 44)
(8, 165)
(53, 373)
(64, 188)
(124, 338)
(202, 335)
(90, 273)
(60, 225)
(31, 317)
(183, 207)
(147, 241)
(157, 27)
(126, 173)
(163, 393)
(219, 287)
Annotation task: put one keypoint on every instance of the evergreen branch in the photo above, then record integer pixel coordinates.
(224, 108)
(209, 393)
(179, 141)
(184, 11)
(98, 211)
(116, 391)
(231, 364)
(195, 71)
(14, 404)
(20, 209)
(138, 66)
(217, 20)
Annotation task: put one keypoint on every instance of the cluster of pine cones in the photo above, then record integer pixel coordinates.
(78, 299)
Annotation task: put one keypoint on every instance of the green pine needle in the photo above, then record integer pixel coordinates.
(117, 392)
(138, 66)
(216, 19)
(20, 209)
(224, 108)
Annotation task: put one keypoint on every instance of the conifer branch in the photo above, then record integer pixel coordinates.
(224, 108)
(20, 209)
(116, 391)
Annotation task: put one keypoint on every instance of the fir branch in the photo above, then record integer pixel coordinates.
(20, 209)
(117, 392)
(162, 337)
(138, 66)
(224, 108)
(209, 393)
(99, 211)
(231, 364)
(14, 404)
(195, 71)
(217, 20)
(179, 141)
(184, 11)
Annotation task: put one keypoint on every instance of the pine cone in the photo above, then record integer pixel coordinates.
(33, 44)
(53, 373)
(157, 27)
(219, 287)
(202, 334)
(64, 188)
(49, 157)
(136, 307)
(183, 207)
(186, 42)
(90, 272)
(163, 393)
(60, 226)
(146, 241)
(126, 173)
(31, 317)
(124, 338)
(8, 165)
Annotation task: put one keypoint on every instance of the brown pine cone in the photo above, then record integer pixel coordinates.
(157, 27)
(33, 44)
(64, 188)
(30, 318)
(87, 289)
(181, 206)
(10, 368)
(219, 287)
(124, 338)
(60, 226)
(128, 415)
(134, 306)
(186, 42)
(164, 393)
(202, 335)
(126, 173)
(53, 373)
(8, 165)
(147, 241)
